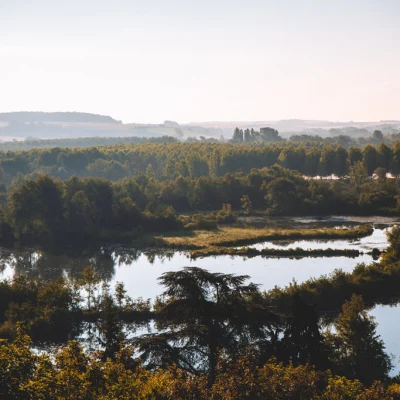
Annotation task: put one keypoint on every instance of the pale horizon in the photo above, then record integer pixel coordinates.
(146, 62)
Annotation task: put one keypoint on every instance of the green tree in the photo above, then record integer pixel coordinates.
(355, 155)
(385, 156)
(112, 170)
(247, 136)
(150, 172)
(340, 164)
(197, 166)
(201, 313)
(72, 365)
(327, 161)
(293, 158)
(381, 174)
(312, 158)
(377, 136)
(246, 203)
(37, 209)
(358, 174)
(255, 135)
(359, 353)
(392, 253)
(17, 366)
(182, 169)
(281, 196)
(370, 158)
(238, 135)
(269, 135)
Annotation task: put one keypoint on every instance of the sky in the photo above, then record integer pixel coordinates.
(250, 60)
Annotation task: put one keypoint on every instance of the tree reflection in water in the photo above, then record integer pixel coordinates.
(38, 263)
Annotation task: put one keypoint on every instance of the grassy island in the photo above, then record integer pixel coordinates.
(232, 236)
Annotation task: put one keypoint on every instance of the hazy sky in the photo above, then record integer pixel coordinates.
(150, 60)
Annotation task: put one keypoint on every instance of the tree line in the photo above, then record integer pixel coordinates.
(336, 137)
(32, 143)
(50, 211)
(167, 161)
(264, 136)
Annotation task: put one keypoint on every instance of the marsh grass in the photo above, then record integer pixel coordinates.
(232, 236)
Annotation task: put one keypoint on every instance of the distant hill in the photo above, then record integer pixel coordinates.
(59, 125)
(39, 116)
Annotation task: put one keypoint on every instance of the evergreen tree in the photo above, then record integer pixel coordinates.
(200, 314)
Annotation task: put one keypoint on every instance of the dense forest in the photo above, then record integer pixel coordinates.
(32, 143)
(166, 161)
(50, 211)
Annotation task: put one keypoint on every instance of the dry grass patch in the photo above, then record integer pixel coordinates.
(231, 236)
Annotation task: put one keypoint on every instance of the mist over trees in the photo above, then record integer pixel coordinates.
(76, 124)
(250, 135)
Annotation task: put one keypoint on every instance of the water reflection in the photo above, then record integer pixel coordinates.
(377, 240)
(334, 221)
(49, 266)
(385, 317)
(120, 263)
(140, 268)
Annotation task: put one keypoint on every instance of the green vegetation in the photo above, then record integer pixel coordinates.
(80, 211)
(171, 160)
(74, 374)
(29, 144)
(231, 236)
(356, 331)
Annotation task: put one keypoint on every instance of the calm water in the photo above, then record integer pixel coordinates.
(139, 273)
(376, 240)
(139, 270)
(387, 318)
